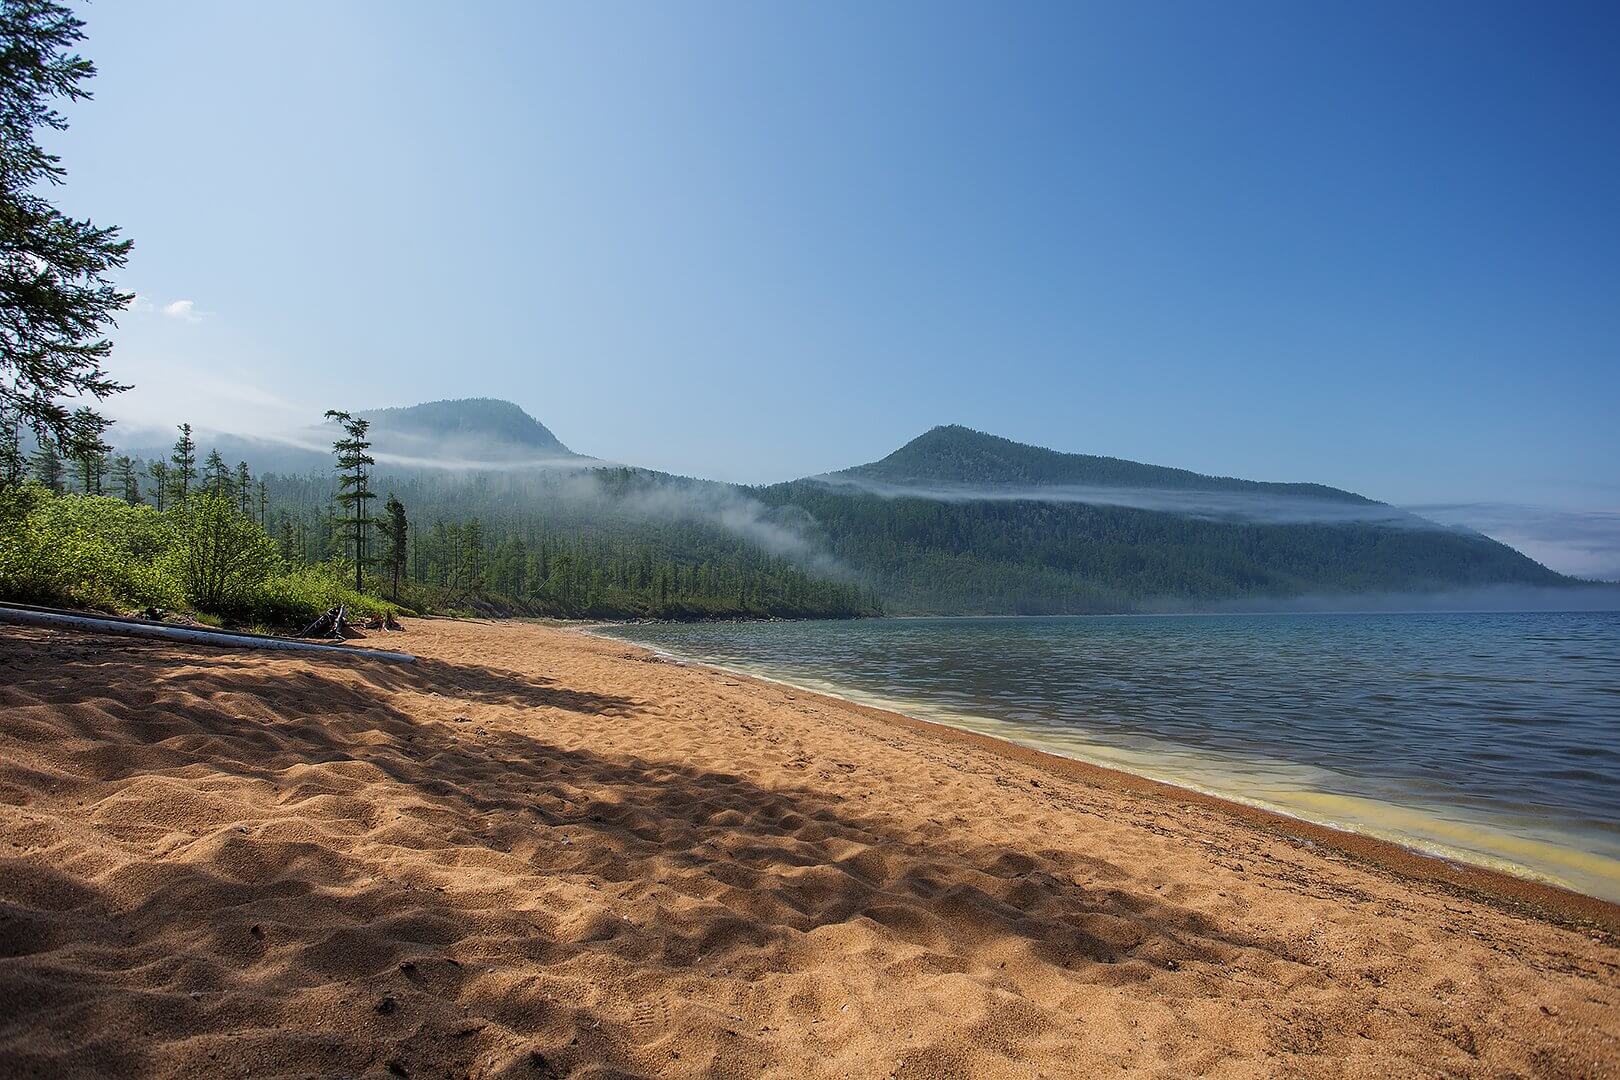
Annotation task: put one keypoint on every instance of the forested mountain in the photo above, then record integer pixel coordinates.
(498, 431)
(605, 542)
(958, 521)
(955, 521)
(445, 434)
(955, 455)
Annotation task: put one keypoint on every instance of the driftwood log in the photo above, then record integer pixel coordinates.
(333, 624)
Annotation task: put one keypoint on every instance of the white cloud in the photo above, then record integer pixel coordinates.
(140, 303)
(184, 310)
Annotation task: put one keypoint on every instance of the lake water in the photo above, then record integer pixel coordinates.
(1488, 738)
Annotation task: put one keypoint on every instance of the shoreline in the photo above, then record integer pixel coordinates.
(1512, 892)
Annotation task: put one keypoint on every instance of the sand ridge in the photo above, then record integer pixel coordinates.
(535, 853)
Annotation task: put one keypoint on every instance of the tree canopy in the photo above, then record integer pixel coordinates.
(57, 297)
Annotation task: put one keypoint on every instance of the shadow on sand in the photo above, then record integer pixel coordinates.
(358, 889)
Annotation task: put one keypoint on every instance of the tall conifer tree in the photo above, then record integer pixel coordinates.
(396, 530)
(354, 474)
(129, 482)
(184, 460)
(159, 472)
(217, 476)
(47, 464)
(57, 298)
(244, 488)
(12, 465)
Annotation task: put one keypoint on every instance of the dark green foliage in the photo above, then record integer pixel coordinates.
(569, 544)
(183, 459)
(46, 465)
(396, 535)
(354, 474)
(128, 481)
(216, 475)
(13, 466)
(90, 452)
(243, 486)
(57, 298)
(159, 472)
(928, 555)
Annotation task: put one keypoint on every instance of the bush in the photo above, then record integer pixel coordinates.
(294, 599)
(94, 552)
(84, 551)
(220, 555)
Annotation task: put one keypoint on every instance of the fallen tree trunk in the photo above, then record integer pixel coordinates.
(189, 634)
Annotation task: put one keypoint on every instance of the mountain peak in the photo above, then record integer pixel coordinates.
(956, 455)
(489, 422)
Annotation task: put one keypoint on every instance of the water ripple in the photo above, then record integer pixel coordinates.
(1505, 724)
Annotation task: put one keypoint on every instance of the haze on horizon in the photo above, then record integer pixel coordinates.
(1374, 248)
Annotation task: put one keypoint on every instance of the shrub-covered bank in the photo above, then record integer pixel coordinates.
(203, 554)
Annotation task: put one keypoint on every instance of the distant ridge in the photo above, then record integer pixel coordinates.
(958, 521)
(500, 424)
(953, 454)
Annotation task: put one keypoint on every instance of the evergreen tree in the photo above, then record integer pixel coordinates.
(88, 450)
(244, 488)
(264, 505)
(217, 476)
(47, 464)
(129, 482)
(473, 557)
(159, 472)
(353, 465)
(57, 298)
(395, 530)
(92, 469)
(12, 465)
(184, 460)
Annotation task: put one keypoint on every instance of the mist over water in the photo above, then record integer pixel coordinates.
(1488, 737)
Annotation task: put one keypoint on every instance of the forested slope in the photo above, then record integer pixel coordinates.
(979, 537)
(955, 521)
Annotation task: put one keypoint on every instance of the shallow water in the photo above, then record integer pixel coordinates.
(1490, 738)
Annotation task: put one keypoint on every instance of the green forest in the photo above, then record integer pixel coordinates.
(543, 554)
(1030, 557)
(609, 542)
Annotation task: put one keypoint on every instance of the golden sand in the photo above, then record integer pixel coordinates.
(535, 853)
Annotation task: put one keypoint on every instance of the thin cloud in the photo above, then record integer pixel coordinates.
(1256, 507)
(184, 310)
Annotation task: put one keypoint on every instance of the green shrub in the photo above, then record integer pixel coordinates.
(294, 599)
(94, 552)
(84, 551)
(219, 554)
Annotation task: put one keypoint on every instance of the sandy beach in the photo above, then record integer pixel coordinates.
(535, 853)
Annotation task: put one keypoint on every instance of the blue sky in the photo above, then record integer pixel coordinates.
(1371, 245)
